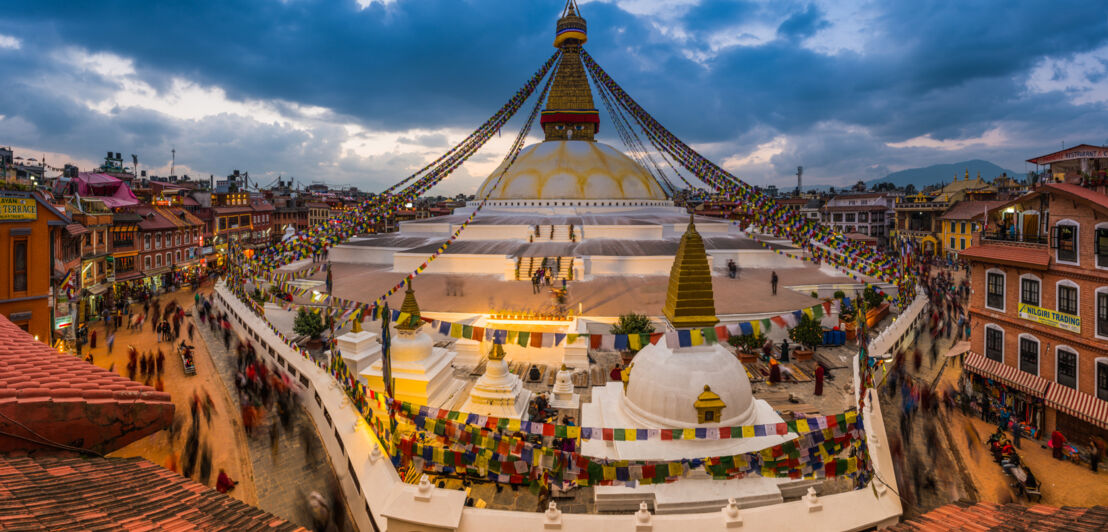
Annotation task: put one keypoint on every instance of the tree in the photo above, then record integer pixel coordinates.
(808, 332)
(748, 343)
(909, 190)
(860, 186)
(633, 324)
(873, 297)
(308, 324)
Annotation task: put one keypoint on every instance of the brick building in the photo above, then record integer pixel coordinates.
(870, 214)
(1039, 309)
(170, 244)
(29, 228)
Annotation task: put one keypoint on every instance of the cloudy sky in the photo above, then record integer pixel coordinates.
(362, 92)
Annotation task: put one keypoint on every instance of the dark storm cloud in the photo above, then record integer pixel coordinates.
(949, 70)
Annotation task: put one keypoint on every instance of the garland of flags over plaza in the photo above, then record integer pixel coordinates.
(496, 448)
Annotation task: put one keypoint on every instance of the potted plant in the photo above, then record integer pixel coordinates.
(847, 321)
(632, 323)
(309, 324)
(808, 333)
(748, 345)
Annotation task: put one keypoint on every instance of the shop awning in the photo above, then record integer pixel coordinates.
(98, 289)
(128, 276)
(1080, 405)
(1010, 376)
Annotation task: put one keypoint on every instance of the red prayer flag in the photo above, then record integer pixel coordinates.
(608, 434)
(594, 341)
(654, 337)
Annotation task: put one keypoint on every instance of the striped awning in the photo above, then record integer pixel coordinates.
(1080, 405)
(1009, 375)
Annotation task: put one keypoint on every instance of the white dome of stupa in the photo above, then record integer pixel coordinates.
(572, 170)
(664, 384)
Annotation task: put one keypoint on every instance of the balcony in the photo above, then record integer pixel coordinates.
(1003, 237)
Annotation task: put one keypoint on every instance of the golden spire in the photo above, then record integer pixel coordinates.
(357, 322)
(569, 112)
(410, 306)
(497, 352)
(690, 300)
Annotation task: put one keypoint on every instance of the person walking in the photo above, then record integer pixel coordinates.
(785, 350)
(111, 342)
(819, 380)
(92, 340)
(773, 282)
(1017, 434)
(1098, 446)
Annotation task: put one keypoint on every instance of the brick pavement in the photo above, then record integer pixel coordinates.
(285, 473)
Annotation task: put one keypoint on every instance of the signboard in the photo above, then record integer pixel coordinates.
(18, 209)
(62, 322)
(1049, 317)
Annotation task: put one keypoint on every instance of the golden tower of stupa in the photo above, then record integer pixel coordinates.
(569, 112)
(690, 300)
(410, 306)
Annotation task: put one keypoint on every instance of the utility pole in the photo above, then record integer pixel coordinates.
(799, 173)
(173, 163)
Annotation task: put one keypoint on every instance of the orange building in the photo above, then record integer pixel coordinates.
(29, 226)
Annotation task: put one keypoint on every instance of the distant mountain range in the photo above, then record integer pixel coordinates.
(944, 173)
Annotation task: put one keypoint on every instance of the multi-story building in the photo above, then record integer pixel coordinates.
(289, 211)
(1039, 309)
(29, 230)
(262, 234)
(170, 245)
(318, 212)
(918, 216)
(95, 272)
(126, 263)
(869, 214)
(957, 224)
(1081, 163)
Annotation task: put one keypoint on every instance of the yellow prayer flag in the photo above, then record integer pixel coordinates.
(629, 434)
(635, 341)
(570, 338)
(756, 326)
(573, 432)
(697, 338)
(851, 465)
(675, 469)
(748, 431)
(513, 425)
(688, 434)
(609, 472)
(455, 330)
(802, 425)
(808, 312)
(851, 416)
(438, 456)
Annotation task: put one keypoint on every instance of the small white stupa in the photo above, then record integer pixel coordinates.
(564, 396)
(498, 392)
(421, 373)
(358, 348)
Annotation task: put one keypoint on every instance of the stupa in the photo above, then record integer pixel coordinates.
(421, 372)
(498, 392)
(564, 396)
(683, 387)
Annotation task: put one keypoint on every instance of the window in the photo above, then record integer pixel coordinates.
(952, 243)
(1029, 291)
(158, 261)
(1029, 355)
(19, 265)
(1102, 378)
(1065, 242)
(850, 217)
(994, 296)
(176, 239)
(146, 262)
(158, 241)
(963, 231)
(1067, 299)
(1102, 313)
(168, 258)
(994, 343)
(962, 243)
(1101, 247)
(146, 242)
(178, 256)
(1066, 373)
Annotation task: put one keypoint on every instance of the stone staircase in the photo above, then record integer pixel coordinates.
(555, 233)
(527, 266)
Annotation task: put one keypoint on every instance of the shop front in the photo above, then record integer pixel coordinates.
(1004, 392)
(1078, 416)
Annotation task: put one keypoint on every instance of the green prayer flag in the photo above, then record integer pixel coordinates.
(709, 335)
(524, 338)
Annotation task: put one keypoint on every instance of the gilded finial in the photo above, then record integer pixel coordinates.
(497, 352)
(357, 322)
(690, 300)
(410, 307)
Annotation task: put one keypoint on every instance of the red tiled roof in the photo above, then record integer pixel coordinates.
(1097, 199)
(82, 493)
(992, 516)
(76, 229)
(841, 208)
(46, 395)
(1009, 375)
(233, 209)
(1034, 257)
(966, 210)
(1080, 405)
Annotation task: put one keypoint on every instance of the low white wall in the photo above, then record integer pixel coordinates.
(612, 265)
(904, 330)
(364, 482)
(421, 226)
(758, 258)
(362, 254)
(498, 232)
(456, 263)
(624, 232)
(379, 488)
